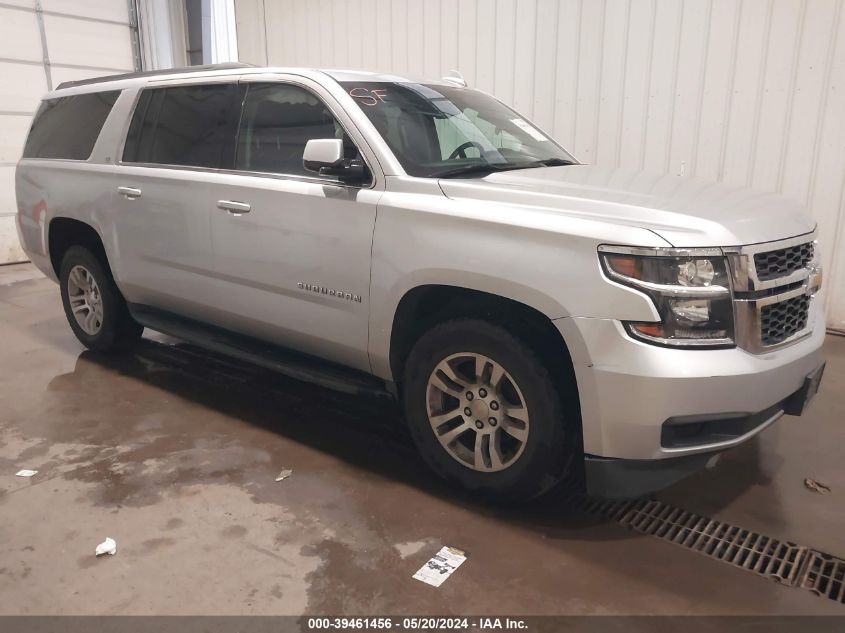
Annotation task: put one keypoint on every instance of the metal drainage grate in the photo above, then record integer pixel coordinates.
(825, 576)
(785, 562)
(779, 560)
(612, 510)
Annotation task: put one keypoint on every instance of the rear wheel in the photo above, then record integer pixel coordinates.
(484, 411)
(94, 307)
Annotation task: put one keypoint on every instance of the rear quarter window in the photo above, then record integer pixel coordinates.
(68, 127)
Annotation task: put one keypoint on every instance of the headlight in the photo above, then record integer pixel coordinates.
(690, 289)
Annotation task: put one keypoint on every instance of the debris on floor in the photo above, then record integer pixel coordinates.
(26, 473)
(440, 566)
(816, 486)
(287, 472)
(109, 546)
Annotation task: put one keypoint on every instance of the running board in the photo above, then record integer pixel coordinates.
(287, 362)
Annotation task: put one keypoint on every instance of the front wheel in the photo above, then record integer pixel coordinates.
(484, 411)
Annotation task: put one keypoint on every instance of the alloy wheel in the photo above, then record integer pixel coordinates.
(85, 299)
(477, 412)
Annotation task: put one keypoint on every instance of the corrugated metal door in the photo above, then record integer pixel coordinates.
(43, 43)
(749, 92)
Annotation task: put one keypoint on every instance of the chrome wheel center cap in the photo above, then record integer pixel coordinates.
(480, 409)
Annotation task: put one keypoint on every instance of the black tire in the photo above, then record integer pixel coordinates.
(552, 440)
(118, 331)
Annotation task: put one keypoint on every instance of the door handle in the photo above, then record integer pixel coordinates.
(130, 193)
(233, 207)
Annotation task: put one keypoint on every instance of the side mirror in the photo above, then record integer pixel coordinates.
(325, 156)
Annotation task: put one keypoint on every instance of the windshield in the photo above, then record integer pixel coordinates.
(444, 131)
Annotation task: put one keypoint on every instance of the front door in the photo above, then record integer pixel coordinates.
(292, 249)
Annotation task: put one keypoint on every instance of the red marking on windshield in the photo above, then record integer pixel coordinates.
(369, 97)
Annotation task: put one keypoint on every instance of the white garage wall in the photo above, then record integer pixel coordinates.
(750, 92)
(43, 43)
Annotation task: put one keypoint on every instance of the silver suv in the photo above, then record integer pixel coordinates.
(536, 317)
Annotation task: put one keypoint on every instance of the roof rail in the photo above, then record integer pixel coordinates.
(153, 73)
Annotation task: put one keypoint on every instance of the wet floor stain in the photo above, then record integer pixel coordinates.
(233, 532)
(348, 581)
(157, 543)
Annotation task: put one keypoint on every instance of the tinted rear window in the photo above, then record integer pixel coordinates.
(186, 125)
(68, 127)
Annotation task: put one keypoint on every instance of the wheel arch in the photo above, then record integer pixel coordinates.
(422, 307)
(64, 232)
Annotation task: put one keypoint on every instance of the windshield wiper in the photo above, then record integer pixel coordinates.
(489, 168)
(549, 162)
(480, 168)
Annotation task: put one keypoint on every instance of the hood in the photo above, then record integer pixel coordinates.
(685, 212)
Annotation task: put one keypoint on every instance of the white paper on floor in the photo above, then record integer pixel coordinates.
(26, 473)
(440, 566)
(284, 474)
(106, 547)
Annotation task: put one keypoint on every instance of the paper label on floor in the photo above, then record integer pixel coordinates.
(440, 566)
(26, 473)
(532, 131)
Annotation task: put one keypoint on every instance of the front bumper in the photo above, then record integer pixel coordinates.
(628, 390)
(629, 478)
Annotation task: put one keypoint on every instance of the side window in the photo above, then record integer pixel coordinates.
(140, 136)
(278, 120)
(68, 127)
(192, 125)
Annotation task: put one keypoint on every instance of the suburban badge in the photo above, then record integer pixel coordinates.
(340, 294)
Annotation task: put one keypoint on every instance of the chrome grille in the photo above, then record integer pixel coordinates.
(773, 285)
(783, 261)
(779, 321)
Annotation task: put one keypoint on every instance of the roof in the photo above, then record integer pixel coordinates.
(153, 73)
(237, 68)
(363, 75)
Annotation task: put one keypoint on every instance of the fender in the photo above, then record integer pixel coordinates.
(382, 320)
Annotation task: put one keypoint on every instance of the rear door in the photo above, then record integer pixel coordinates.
(293, 262)
(179, 138)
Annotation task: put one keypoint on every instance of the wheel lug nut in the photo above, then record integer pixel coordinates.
(494, 405)
(479, 424)
(482, 393)
(470, 396)
(467, 411)
(492, 421)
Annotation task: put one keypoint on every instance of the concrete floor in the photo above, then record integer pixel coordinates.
(173, 453)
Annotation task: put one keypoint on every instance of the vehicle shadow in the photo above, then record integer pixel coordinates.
(365, 433)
